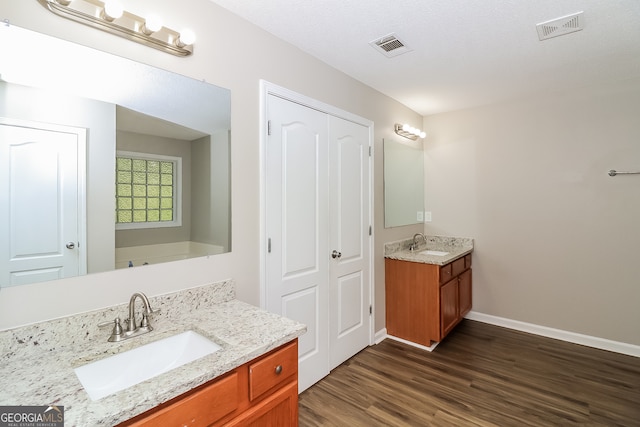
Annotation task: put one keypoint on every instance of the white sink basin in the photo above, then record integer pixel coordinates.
(123, 370)
(435, 253)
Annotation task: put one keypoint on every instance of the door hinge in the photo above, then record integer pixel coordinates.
(370, 309)
(370, 231)
(269, 245)
(369, 151)
(268, 127)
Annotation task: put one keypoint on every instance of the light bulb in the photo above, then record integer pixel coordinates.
(186, 38)
(113, 9)
(406, 127)
(423, 134)
(416, 131)
(152, 24)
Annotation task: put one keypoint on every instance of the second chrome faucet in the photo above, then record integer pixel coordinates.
(131, 329)
(414, 245)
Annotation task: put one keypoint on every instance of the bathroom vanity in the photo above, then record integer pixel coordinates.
(428, 290)
(251, 379)
(263, 391)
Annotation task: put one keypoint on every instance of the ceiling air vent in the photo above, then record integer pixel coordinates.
(389, 46)
(560, 26)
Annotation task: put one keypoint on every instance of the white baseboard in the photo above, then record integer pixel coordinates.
(572, 337)
(420, 346)
(586, 340)
(380, 336)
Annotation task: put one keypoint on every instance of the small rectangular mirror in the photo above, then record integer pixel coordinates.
(403, 183)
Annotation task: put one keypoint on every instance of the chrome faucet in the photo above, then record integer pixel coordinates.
(414, 245)
(131, 321)
(118, 333)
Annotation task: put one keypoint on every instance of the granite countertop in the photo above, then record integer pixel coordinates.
(455, 247)
(37, 361)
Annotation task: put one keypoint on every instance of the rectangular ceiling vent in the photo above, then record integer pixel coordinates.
(560, 26)
(389, 46)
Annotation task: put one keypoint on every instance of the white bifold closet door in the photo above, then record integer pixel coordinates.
(318, 229)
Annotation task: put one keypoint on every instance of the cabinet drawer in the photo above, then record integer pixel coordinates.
(446, 273)
(199, 408)
(273, 370)
(457, 266)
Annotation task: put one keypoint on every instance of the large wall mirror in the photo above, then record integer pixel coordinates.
(403, 182)
(105, 163)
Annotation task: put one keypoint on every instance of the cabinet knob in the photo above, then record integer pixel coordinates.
(278, 369)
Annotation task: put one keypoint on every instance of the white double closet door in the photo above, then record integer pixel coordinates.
(318, 218)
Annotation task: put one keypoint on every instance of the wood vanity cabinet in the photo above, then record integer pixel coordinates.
(424, 302)
(262, 392)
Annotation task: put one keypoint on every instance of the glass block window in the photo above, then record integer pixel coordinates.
(147, 190)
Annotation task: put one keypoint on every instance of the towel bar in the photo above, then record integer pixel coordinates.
(613, 172)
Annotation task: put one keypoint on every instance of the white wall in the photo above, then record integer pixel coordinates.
(556, 237)
(234, 54)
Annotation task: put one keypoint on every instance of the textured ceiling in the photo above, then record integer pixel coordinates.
(465, 53)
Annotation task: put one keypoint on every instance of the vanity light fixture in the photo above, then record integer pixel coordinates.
(408, 131)
(109, 16)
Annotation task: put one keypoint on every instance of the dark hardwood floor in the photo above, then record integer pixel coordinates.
(480, 375)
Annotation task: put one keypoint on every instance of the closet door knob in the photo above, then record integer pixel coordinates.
(71, 245)
(335, 254)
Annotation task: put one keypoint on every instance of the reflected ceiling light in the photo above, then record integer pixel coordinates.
(408, 131)
(110, 16)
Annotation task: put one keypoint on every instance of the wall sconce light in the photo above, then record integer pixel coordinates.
(408, 131)
(109, 16)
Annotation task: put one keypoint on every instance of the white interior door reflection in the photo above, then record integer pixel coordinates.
(43, 202)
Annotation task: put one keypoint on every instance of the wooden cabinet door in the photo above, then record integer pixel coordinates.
(198, 409)
(448, 306)
(278, 410)
(464, 293)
